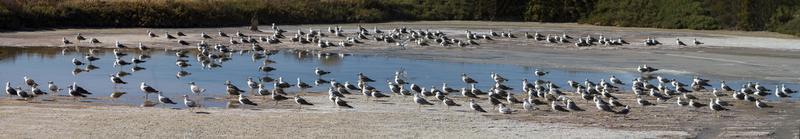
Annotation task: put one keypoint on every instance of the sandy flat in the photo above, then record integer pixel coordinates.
(392, 118)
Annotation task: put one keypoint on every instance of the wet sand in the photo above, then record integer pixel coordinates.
(386, 118)
(398, 118)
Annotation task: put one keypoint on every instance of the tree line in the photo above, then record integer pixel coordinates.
(752, 15)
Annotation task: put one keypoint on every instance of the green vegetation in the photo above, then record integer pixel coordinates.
(771, 15)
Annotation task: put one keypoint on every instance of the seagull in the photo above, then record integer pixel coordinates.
(679, 42)
(22, 94)
(572, 106)
(320, 72)
(182, 42)
(94, 41)
(511, 99)
(643, 102)
(725, 87)
(416, 88)
(475, 90)
(281, 84)
(302, 85)
(52, 87)
(362, 77)
(36, 91)
(780, 93)
(466, 93)
(10, 91)
(341, 103)
(80, 37)
(169, 36)
(79, 89)
(76, 62)
(333, 94)
(447, 89)
(503, 87)
(65, 41)
(231, 89)
(204, 35)
(600, 105)
(696, 42)
(165, 100)
(321, 81)
(244, 101)
(475, 106)
(116, 80)
(398, 80)
(147, 89)
(449, 102)
(697, 104)
(377, 94)
(649, 69)
(151, 34)
(761, 105)
(119, 45)
(76, 91)
(716, 107)
(120, 62)
(222, 34)
(680, 102)
(189, 103)
(787, 90)
(614, 80)
(262, 91)
(624, 111)
(301, 101)
(196, 89)
(527, 105)
(137, 60)
(30, 82)
(504, 110)
(497, 78)
(240, 34)
(91, 58)
(467, 80)
(277, 97)
(251, 84)
(540, 73)
(615, 102)
(420, 100)
(555, 107)
(342, 90)
(350, 86)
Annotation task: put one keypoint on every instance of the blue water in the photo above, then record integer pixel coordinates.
(50, 64)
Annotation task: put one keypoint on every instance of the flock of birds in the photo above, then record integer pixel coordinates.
(398, 36)
(500, 96)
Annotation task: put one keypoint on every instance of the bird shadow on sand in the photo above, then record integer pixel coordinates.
(431, 110)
